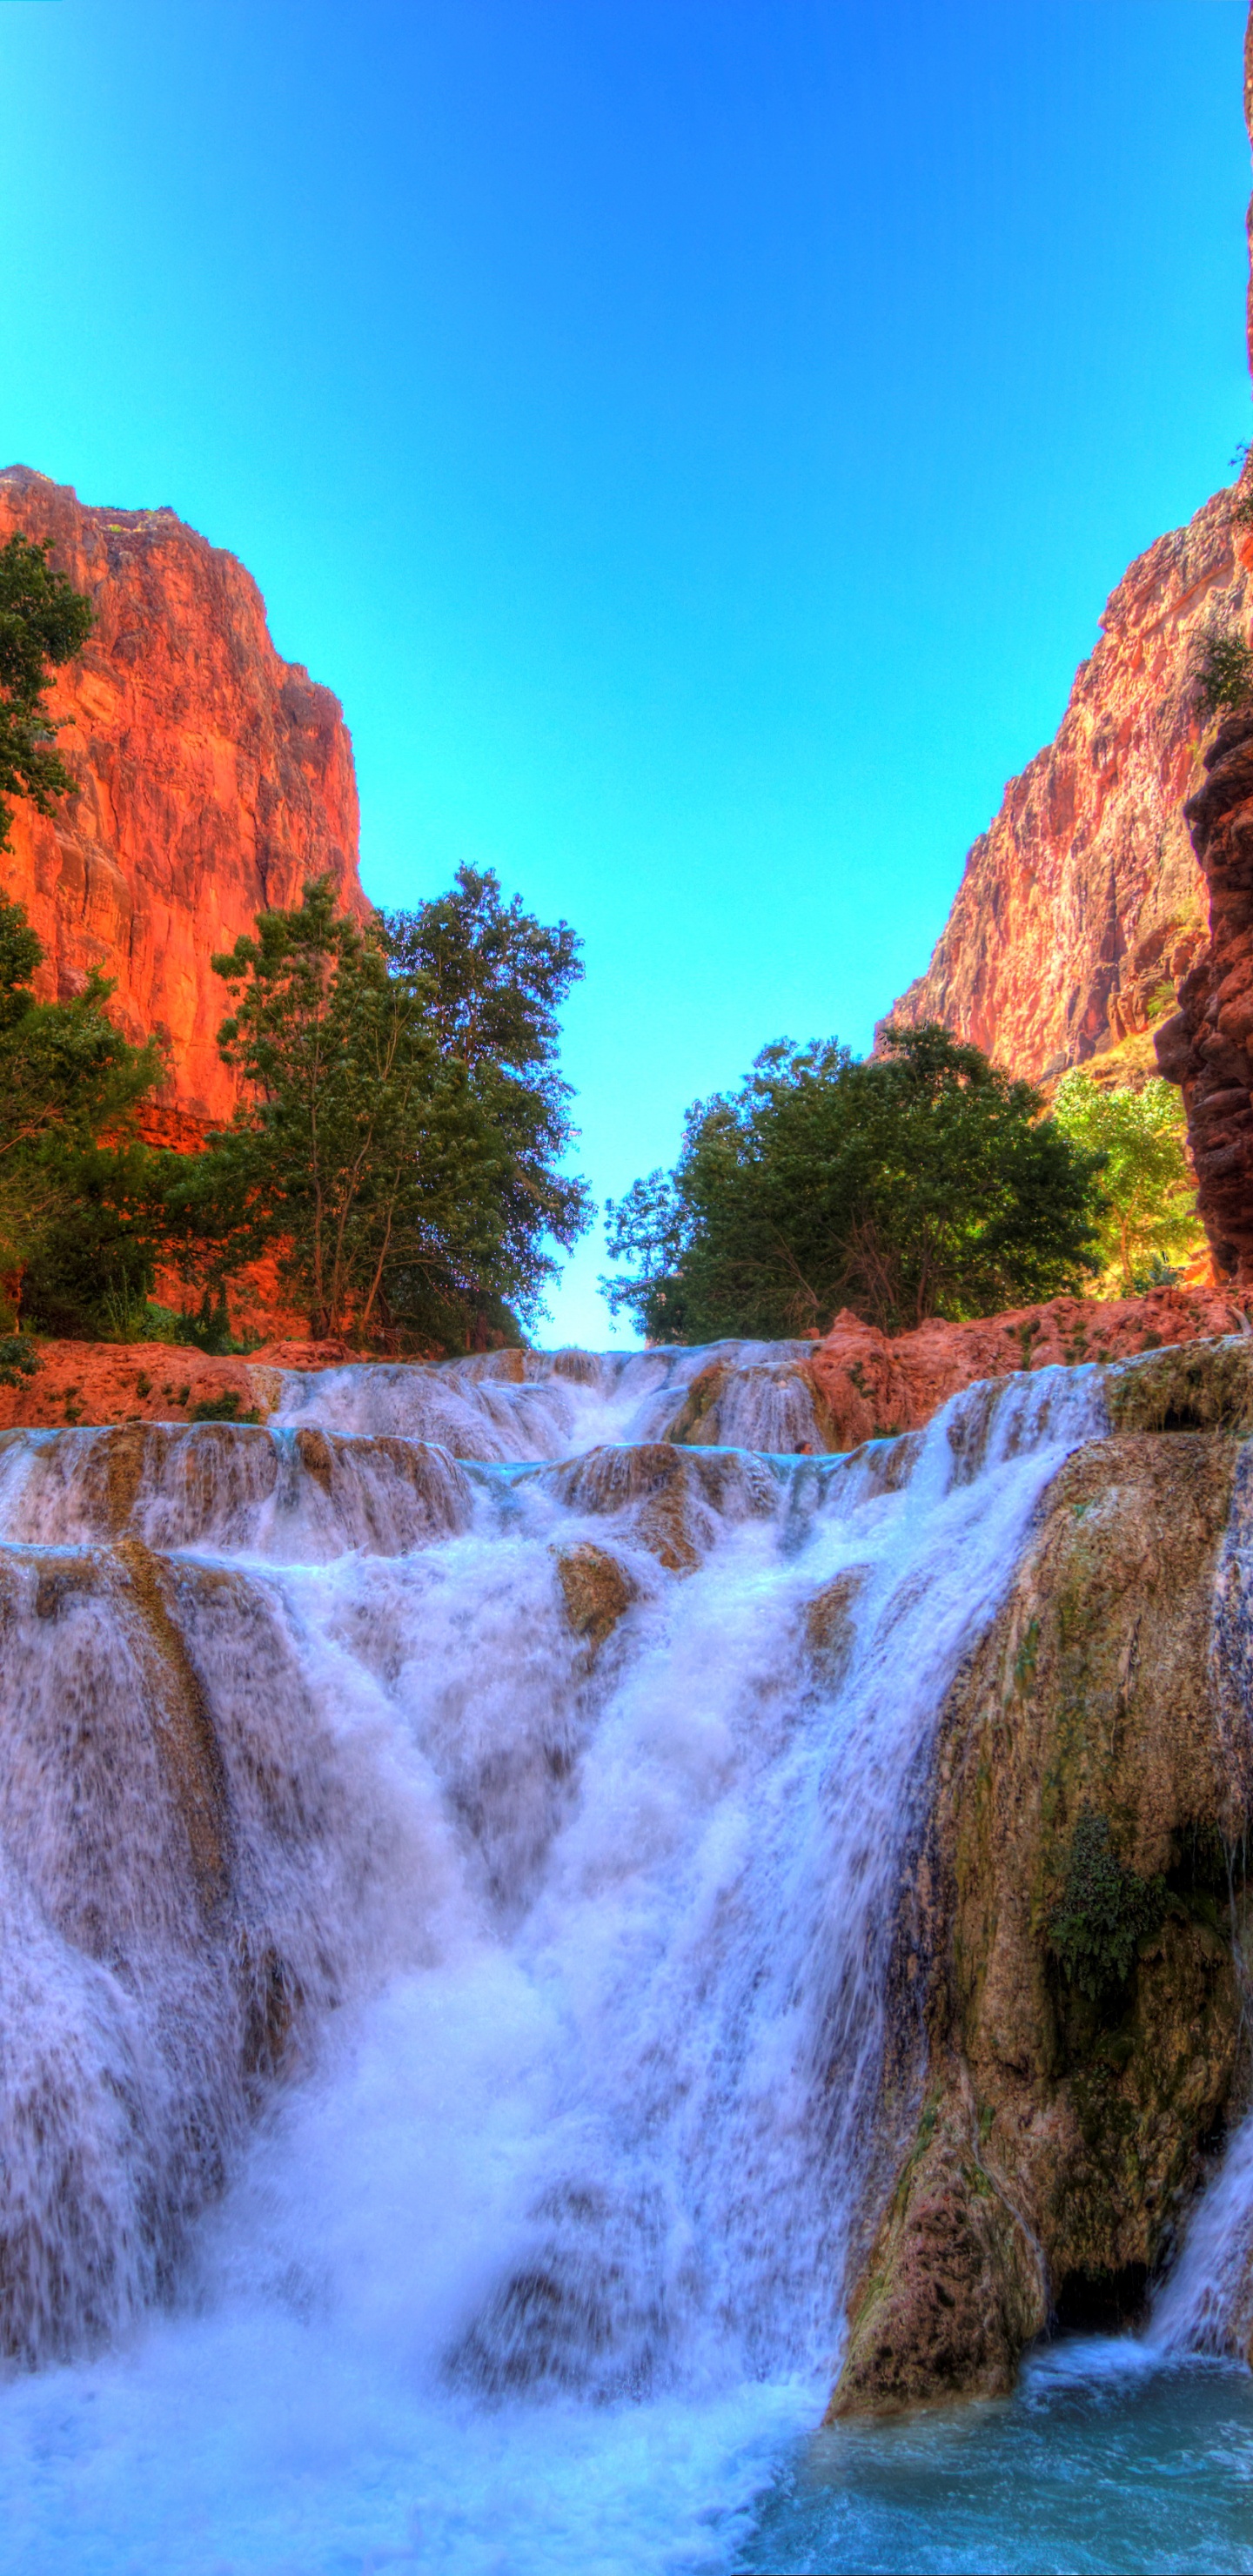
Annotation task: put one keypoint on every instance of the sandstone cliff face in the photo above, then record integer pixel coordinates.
(214, 778)
(1207, 1046)
(1083, 903)
(1062, 2132)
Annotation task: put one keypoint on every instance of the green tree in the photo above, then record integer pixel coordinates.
(79, 1194)
(1148, 1193)
(921, 1182)
(382, 1144)
(493, 979)
(43, 622)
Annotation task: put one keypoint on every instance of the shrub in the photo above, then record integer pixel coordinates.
(921, 1182)
(1148, 1194)
(18, 1359)
(1223, 672)
(1105, 1912)
(223, 1408)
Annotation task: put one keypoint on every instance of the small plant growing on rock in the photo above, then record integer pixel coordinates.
(1223, 671)
(18, 1359)
(1242, 506)
(1105, 1912)
(223, 1408)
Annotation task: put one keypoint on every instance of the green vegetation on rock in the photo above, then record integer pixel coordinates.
(1223, 672)
(1105, 1912)
(223, 1408)
(43, 623)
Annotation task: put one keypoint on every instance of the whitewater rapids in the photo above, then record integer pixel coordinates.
(452, 1842)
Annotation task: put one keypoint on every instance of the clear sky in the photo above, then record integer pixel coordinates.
(694, 437)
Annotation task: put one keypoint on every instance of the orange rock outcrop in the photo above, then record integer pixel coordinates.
(869, 1385)
(866, 1385)
(213, 779)
(102, 1382)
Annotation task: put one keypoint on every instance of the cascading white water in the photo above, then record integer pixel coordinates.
(514, 1405)
(429, 1985)
(348, 1669)
(1206, 2301)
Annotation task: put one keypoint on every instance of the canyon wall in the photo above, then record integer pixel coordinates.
(1082, 905)
(1207, 1046)
(213, 779)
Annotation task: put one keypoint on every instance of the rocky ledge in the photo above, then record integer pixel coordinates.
(1070, 2047)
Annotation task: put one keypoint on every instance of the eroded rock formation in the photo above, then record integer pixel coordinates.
(214, 778)
(1063, 2129)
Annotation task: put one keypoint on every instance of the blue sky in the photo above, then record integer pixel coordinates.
(694, 437)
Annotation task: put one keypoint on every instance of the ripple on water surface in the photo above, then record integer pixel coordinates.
(1103, 2460)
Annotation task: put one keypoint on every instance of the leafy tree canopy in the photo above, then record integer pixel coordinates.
(402, 1114)
(79, 1195)
(492, 980)
(920, 1182)
(43, 622)
(1149, 1212)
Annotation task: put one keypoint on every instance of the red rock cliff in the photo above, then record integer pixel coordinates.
(1083, 900)
(1208, 1045)
(214, 778)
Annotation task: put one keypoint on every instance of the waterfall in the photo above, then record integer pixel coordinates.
(1206, 2301)
(463, 1890)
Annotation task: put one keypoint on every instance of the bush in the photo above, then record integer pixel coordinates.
(1148, 1195)
(223, 1408)
(1223, 673)
(921, 1182)
(18, 1359)
(1105, 1912)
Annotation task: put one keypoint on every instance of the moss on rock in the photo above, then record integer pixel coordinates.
(1082, 1988)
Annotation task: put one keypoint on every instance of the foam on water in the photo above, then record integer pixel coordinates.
(450, 2015)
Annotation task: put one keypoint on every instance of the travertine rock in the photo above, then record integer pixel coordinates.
(1060, 2135)
(868, 1386)
(214, 779)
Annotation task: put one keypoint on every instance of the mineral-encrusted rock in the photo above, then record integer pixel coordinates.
(596, 1589)
(867, 1385)
(1067, 2117)
(213, 779)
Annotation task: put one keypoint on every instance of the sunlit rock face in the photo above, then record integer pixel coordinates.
(214, 778)
(1083, 901)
